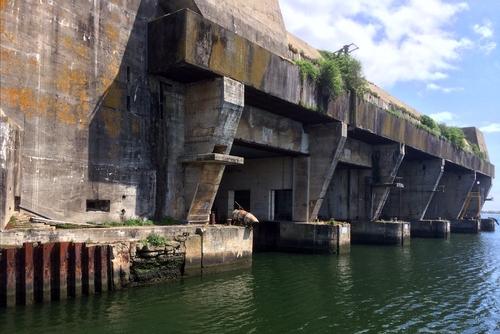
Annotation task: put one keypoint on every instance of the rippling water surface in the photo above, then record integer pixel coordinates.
(433, 286)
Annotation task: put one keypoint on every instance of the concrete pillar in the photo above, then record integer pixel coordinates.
(212, 114)
(451, 195)
(9, 140)
(386, 162)
(301, 181)
(326, 144)
(420, 179)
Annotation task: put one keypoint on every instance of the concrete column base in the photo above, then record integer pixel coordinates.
(381, 232)
(487, 225)
(302, 237)
(471, 226)
(430, 229)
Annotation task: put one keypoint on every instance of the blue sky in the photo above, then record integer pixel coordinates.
(440, 56)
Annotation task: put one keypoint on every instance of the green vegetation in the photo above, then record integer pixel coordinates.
(334, 74)
(129, 223)
(337, 73)
(155, 240)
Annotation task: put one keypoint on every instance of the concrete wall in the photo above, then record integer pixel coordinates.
(348, 196)
(420, 179)
(73, 77)
(260, 176)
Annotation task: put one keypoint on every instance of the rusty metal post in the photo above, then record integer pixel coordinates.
(47, 250)
(10, 274)
(29, 274)
(63, 270)
(88, 270)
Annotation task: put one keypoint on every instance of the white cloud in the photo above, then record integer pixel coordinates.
(447, 90)
(399, 41)
(486, 32)
(443, 117)
(492, 128)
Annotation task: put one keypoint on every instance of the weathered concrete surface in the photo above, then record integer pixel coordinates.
(488, 225)
(301, 188)
(386, 162)
(430, 229)
(302, 238)
(449, 200)
(261, 177)
(326, 144)
(381, 232)
(66, 86)
(206, 46)
(9, 168)
(213, 111)
(265, 129)
(475, 136)
(470, 226)
(420, 179)
(357, 153)
(259, 21)
(349, 195)
(477, 197)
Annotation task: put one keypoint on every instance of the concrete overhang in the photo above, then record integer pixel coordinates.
(372, 119)
(186, 47)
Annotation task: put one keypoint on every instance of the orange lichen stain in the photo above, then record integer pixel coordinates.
(112, 121)
(65, 112)
(3, 4)
(11, 62)
(71, 81)
(24, 99)
(77, 48)
(114, 97)
(112, 34)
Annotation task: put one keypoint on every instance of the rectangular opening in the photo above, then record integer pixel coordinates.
(102, 205)
(17, 203)
(242, 197)
(283, 201)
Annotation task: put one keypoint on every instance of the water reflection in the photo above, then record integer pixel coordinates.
(434, 286)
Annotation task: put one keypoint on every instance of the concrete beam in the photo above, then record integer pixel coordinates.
(261, 127)
(449, 200)
(420, 179)
(326, 145)
(386, 162)
(212, 115)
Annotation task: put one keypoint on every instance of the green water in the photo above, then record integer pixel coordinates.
(433, 286)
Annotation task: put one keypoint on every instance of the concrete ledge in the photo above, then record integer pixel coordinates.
(381, 232)
(302, 237)
(213, 158)
(472, 226)
(488, 225)
(430, 229)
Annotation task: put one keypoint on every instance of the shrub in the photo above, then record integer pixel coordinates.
(156, 240)
(308, 70)
(455, 135)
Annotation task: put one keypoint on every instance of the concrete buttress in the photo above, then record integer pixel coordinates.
(453, 189)
(9, 141)
(326, 145)
(386, 162)
(212, 115)
(420, 179)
